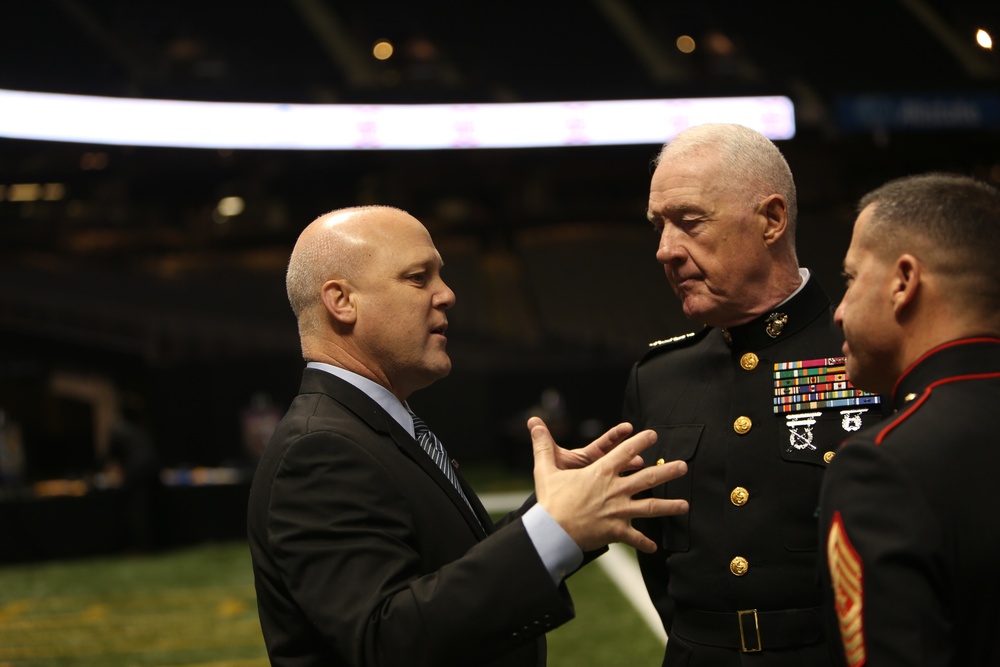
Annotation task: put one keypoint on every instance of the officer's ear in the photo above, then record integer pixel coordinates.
(339, 300)
(905, 283)
(773, 212)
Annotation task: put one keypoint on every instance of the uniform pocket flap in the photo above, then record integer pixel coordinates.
(677, 442)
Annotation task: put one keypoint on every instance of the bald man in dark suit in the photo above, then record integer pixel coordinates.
(368, 547)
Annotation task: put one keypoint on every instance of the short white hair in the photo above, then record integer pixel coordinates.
(752, 163)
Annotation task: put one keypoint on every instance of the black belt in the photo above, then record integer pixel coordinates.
(750, 630)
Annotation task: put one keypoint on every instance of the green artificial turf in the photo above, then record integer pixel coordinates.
(607, 631)
(197, 607)
(191, 607)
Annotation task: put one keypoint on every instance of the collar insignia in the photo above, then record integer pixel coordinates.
(775, 324)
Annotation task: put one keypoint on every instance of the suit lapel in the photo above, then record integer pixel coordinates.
(372, 414)
(412, 449)
(485, 520)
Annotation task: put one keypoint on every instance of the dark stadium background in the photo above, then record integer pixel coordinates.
(128, 282)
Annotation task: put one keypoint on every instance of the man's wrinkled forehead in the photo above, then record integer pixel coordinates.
(688, 184)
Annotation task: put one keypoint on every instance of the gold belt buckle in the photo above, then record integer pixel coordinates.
(756, 627)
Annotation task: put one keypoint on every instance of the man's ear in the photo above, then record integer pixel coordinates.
(337, 296)
(905, 282)
(774, 210)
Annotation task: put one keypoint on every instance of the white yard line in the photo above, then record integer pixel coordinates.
(501, 503)
(619, 564)
(623, 569)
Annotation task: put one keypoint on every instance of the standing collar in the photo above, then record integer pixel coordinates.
(781, 321)
(956, 359)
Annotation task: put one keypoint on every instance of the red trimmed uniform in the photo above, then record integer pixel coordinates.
(911, 533)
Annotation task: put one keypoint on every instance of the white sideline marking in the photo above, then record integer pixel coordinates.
(619, 564)
(501, 503)
(623, 569)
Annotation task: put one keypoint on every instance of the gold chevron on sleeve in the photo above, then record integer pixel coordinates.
(846, 575)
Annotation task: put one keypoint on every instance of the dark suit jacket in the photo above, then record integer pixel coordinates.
(364, 554)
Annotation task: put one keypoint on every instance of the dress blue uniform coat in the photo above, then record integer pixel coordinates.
(911, 534)
(737, 577)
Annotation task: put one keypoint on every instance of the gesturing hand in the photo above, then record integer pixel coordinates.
(578, 458)
(594, 504)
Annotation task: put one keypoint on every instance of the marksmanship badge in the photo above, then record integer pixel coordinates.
(801, 439)
(852, 419)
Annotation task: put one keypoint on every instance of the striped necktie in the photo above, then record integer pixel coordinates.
(437, 452)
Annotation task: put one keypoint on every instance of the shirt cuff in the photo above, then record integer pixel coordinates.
(559, 553)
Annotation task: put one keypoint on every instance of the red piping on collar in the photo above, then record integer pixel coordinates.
(942, 346)
(924, 396)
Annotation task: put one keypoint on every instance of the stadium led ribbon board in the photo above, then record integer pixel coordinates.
(232, 125)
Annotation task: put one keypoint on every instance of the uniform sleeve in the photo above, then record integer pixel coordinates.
(884, 578)
(343, 537)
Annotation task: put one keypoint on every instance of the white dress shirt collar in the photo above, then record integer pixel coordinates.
(385, 398)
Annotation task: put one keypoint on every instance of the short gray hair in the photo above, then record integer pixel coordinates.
(322, 255)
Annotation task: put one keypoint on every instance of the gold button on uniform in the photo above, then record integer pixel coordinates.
(828, 456)
(739, 566)
(909, 397)
(749, 361)
(739, 496)
(742, 425)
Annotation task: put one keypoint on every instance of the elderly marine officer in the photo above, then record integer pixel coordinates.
(756, 403)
